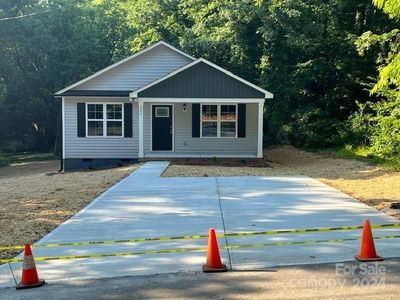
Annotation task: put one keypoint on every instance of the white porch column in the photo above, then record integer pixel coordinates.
(140, 105)
(260, 129)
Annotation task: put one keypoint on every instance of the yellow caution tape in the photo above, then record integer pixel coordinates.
(98, 255)
(309, 230)
(306, 242)
(200, 236)
(107, 242)
(198, 249)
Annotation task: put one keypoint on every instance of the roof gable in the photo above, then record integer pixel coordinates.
(136, 70)
(201, 79)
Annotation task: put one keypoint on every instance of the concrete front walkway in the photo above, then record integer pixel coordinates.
(145, 205)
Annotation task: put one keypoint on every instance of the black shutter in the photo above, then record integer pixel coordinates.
(81, 117)
(242, 120)
(195, 120)
(128, 120)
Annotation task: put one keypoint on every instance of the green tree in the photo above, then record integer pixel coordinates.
(384, 115)
(312, 66)
(42, 53)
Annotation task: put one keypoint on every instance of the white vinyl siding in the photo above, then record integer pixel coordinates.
(137, 72)
(118, 147)
(186, 145)
(97, 147)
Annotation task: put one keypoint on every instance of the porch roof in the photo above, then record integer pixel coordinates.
(201, 79)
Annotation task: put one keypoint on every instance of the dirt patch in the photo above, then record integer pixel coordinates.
(30, 168)
(33, 203)
(370, 184)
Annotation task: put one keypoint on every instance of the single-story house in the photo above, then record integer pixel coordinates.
(160, 103)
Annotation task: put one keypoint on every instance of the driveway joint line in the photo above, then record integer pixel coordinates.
(223, 224)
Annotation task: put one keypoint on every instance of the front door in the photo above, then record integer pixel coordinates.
(162, 127)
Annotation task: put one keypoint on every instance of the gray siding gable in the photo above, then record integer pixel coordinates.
(201, 81)
(137, 72)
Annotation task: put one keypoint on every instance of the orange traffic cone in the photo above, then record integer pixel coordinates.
(367, 252)
(214, 263)
(30, 278)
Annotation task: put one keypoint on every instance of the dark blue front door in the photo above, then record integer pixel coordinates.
(162, 127)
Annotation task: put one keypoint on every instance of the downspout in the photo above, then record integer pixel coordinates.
(61, 133)
(61, 154)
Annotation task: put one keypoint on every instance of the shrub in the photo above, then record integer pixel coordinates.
(385, 139)
(378, 125)
(4, 161)
(314, 129)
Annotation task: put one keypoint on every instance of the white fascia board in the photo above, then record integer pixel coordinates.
(110, 98)
(202, 100)
(123, 61)
(134, 94)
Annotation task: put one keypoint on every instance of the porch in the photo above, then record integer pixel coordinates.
(200, 127)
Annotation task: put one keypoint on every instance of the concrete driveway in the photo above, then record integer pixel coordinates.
(145, 205)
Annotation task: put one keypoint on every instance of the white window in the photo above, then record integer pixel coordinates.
(218, 120)
(95, 117)
(104, 119)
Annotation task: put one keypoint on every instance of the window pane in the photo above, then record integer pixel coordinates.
(91, 115)
(114, 128)
(110, 111)
(95, 128)
(209, 112)
(95, 111)
(228, 112)
(114, 111)
(162, 112)
(209, 129)
(228, 129)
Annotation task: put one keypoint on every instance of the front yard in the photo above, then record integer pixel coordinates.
(34, 198)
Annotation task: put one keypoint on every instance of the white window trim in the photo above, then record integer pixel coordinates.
(219, 122)
(104, 120)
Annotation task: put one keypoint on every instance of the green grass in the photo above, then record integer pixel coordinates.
(4, 160)
(365, 153)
